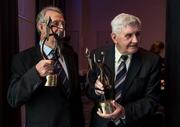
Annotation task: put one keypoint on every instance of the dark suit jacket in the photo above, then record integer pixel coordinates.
(45, 106)
(140, 95)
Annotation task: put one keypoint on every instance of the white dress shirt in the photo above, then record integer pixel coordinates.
(118, 60)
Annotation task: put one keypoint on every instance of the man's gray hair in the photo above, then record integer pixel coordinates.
(40, 17)
(122, 20)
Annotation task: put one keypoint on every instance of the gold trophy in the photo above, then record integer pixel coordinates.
(105, 105)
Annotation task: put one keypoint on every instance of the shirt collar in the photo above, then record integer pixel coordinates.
(46, 49)
(118, 55)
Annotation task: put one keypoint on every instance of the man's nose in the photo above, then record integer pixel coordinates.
(59, 28)
(135, 39)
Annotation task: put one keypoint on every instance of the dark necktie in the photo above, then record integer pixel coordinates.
(120, 77)
(58, 69)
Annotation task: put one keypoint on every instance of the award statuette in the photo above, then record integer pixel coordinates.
(105, 104)
(51, 80)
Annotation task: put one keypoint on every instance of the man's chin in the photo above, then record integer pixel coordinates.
(133, 50)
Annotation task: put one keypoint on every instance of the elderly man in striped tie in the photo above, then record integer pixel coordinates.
(135, 73)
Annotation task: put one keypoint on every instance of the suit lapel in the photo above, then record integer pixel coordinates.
(69, 65)
(135, 65)
(109, 63)
(38, 54)
(109, 59)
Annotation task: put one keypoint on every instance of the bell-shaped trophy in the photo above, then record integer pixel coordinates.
(105, 104)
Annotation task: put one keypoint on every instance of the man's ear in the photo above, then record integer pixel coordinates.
(113, 36)
(40, 27)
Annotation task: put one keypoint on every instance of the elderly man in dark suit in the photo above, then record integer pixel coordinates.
(54, 104)
(134, 72)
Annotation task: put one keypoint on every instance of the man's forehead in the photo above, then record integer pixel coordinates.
(131, 28)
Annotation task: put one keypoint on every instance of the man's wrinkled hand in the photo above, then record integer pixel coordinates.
(118, 112)
(99, 88)
(45, 67)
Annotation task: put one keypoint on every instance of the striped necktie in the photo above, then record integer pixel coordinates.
(120, 77)
(58, 69)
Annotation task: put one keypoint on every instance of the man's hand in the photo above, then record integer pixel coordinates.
(99, 88)
(119, 111)
(45, 67)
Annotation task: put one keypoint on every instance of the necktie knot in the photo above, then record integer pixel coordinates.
(54, 54)
(124, 57)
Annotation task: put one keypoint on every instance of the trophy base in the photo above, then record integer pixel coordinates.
(106, 107)
(51, 80)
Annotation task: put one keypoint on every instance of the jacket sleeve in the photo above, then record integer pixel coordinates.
(24, 81)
